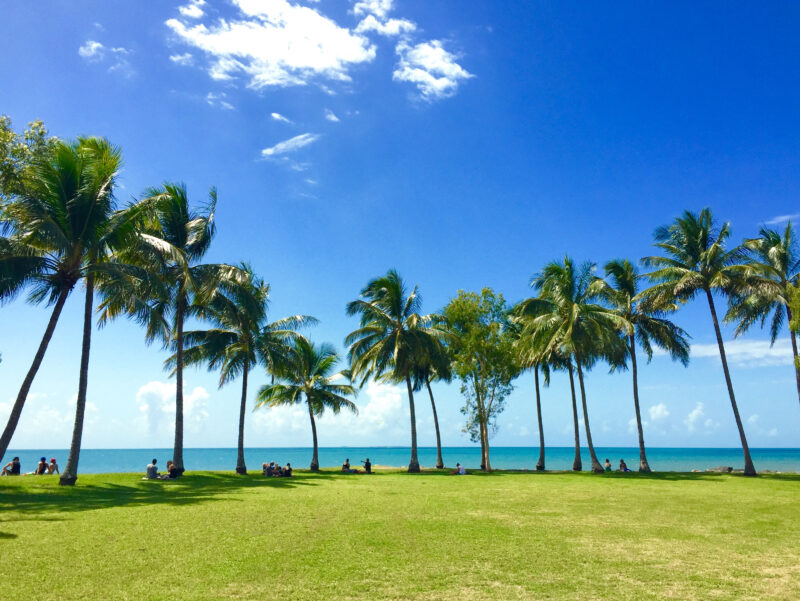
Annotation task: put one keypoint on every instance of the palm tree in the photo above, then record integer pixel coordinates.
(771, 266)
(165, 284)
(649, 327)
(697, 262)
(393, 338)
(566, 323)
(52, 228)
(307, 376)
(240, 337)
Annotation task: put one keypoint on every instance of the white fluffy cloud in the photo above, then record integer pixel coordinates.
(279, 117)
(697, 419)
(431, 68)
(276, 43)
(331, 116)
(290, 145)
(182, 59)
(116, 57)
(193, 10)
(659, 411)
(156, 402)
(390, 27)
(379, 8)
(92, 50)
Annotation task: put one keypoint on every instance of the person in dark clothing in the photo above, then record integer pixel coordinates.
(287, 471)
(367, 466)
(12, 468)
(41, 467)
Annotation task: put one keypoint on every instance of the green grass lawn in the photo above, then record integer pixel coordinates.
(397, 536)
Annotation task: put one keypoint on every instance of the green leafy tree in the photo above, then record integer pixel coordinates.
(308, 376)
(55, 231)
(393, 338)
(649, 327)
(19, 154)
(165, 283)
(240, 337)
(483, 358)
(771, 267)
(696, 263)
(568, 324)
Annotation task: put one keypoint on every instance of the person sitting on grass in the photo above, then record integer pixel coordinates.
(278, 471)
(52, 468)
(623, 467)
(172, 470)
(287, 471)
(12, 468)
(346, 467)
(267, 469)
(460, 470)
(608, 465)
(41, 467)
(367, 466)
(152, 470)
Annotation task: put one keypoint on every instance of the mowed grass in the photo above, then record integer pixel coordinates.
(398, 536)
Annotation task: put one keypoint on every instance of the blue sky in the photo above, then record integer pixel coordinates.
(464, 144)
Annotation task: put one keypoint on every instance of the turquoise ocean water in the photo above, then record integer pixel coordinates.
(557, 458)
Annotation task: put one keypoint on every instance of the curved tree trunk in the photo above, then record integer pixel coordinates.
(439, 462)
(577, 465)
(793, 336)
(749, 468)
(315, 456)
(540, 463)
(485, 439)
(413, 465)
(177, 453)
(643, 465)
(241, 468)
(70, 474)
(22, 395)
(596, 467)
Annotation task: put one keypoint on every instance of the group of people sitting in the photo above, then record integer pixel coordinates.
(274, 469)
(623, 467)
(348, 470)
(14, 468)
(151, 472)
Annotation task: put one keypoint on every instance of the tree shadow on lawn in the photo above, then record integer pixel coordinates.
(664, 476)
(189, 489)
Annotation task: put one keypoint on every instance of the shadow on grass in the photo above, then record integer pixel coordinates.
(32, 498)
(663, 476)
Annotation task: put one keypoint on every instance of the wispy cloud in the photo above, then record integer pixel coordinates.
(697, 420)
(659, 411)
(219, 101)
(92, 50)
(276, 43)
(193, 10)
(115, 57)
(431, 68)
(781, 219)
(184, 59)
(290, 145)
(748, 353)
(330, 116)
(279, 117)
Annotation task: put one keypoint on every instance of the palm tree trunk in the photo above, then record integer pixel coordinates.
(177, 453)
(749, 469)
(22, 395)
(596, 467)
(577, 465)
(241, 468)
(413, 465)
(439, 462)
(643, 465)
(793, 336)
(540, 463)
(70, 474)
(315, 456)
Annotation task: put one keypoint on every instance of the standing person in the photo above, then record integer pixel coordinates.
(367, 466)
(53, 467)
(152, 470)
(12, 468)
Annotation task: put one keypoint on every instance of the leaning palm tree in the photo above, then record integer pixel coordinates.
(165, 284)
(240, 337)
(307, 375)
(696, 262)
(649, 326)
(567, 323)
(392, 339)
(51, 229)
(770, 269)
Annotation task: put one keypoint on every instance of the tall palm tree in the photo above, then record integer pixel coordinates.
(50, 228)
(165, 283)
(649, 326)
(240, 337)
(308, 376)
(393, 338)
(771, 267)
(567, 323)
(696, 262)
